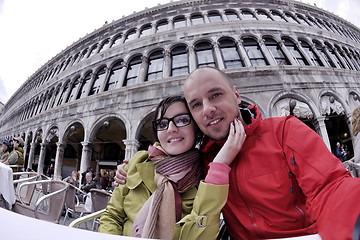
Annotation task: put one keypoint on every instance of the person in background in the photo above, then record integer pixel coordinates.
(339, 152)
(73, 179)
(164, 197)
(5, 151)
(16, 156)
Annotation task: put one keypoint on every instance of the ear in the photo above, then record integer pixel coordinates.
(237, 95)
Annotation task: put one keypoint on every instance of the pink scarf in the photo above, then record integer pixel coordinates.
(173, 175)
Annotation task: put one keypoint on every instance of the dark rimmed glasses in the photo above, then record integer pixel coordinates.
(180, 120)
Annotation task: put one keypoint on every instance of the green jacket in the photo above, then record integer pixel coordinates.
(202, 203)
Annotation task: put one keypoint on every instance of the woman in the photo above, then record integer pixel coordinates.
(163, 186)
(5, 151)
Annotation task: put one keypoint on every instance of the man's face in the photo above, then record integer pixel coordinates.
(212, 102)
(88, 177)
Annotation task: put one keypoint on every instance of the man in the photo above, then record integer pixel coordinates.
(16, 157)
(284, 182)
(339, 152)
(89, 183)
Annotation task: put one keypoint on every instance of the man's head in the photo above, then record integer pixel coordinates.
(213, 101)
(88, 177)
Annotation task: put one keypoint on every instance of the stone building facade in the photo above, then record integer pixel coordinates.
(92, 104)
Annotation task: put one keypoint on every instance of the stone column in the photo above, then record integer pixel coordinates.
(91, 80)
(122, 75)
(317, 53)
(59, 160)
(131, 148)
(335, 62)
(40, 169)
(192, 58)
(320, 128)
(301, 50)
(218, 56)
(143, 69)
(167, 64)
(270, 59)
(170, 24)
(153, 28)
(85, 157)
(206, 18)
(243, 54)
(103, 84)
(287, 53)
(31, 154)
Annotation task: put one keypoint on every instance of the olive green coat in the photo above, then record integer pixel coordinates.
(205, 201)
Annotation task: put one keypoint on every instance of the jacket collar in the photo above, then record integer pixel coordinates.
(142, 171)
(255, 118)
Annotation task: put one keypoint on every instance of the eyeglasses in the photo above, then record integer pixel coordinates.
(181, 120)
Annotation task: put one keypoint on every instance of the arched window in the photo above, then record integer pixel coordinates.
(263, 15)
(145, 31)
(71, 96)
(179, 61)
(276, 52)
(84, 86)
(302, 20)
(204, 54)
(341, 53)
(67, 63)
(131, 35)
(133, 71)
(104, 45)
(333, 54)
(75, 58)
(93, 50)
(297, 55)
(230, 54)
(162, 26)
(56, 92)
(277, 16)
(325, 56)
(352, 57)
(179, 22)
(83, 54)
(291, 18)
(117, 40)
(312, 21)
(98, 80)
(214, 17)
(114, 76)
(197, 19)
(310, 52)
(155, 66)
(248, 15)
(254, 52)
(232, 16)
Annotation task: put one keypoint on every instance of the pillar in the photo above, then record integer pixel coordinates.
(59, 160)
(31, 154)
(320, 128)
(85, 157)
(40, 169)
(131, 148)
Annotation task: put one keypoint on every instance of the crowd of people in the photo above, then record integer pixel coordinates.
(12, 151)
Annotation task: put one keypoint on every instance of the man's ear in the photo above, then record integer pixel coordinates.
(237, 95)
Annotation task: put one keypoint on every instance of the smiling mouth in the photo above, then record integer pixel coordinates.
(214, 122)
(175, 140)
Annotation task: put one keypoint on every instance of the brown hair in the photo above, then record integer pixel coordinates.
(355, 122)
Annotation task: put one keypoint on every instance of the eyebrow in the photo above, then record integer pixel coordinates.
(210, 91)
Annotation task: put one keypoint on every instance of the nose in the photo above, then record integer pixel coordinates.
(208, 108)
(172, 127)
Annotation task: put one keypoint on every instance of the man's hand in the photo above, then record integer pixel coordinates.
(233, 143)
(120, 176)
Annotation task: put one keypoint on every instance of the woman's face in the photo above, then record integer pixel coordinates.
(4, 147)
(177, 140)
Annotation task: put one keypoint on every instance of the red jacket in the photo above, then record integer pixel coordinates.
(284, 182)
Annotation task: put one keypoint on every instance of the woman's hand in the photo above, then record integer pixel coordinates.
(233, 143)
(120, 176)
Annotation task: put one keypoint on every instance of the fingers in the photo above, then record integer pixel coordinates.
(120, 177)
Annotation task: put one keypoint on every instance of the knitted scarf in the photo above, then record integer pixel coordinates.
(173, 175)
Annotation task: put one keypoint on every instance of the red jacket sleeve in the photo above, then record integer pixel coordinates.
(332, 194)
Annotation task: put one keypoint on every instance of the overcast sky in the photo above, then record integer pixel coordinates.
(34, 31)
